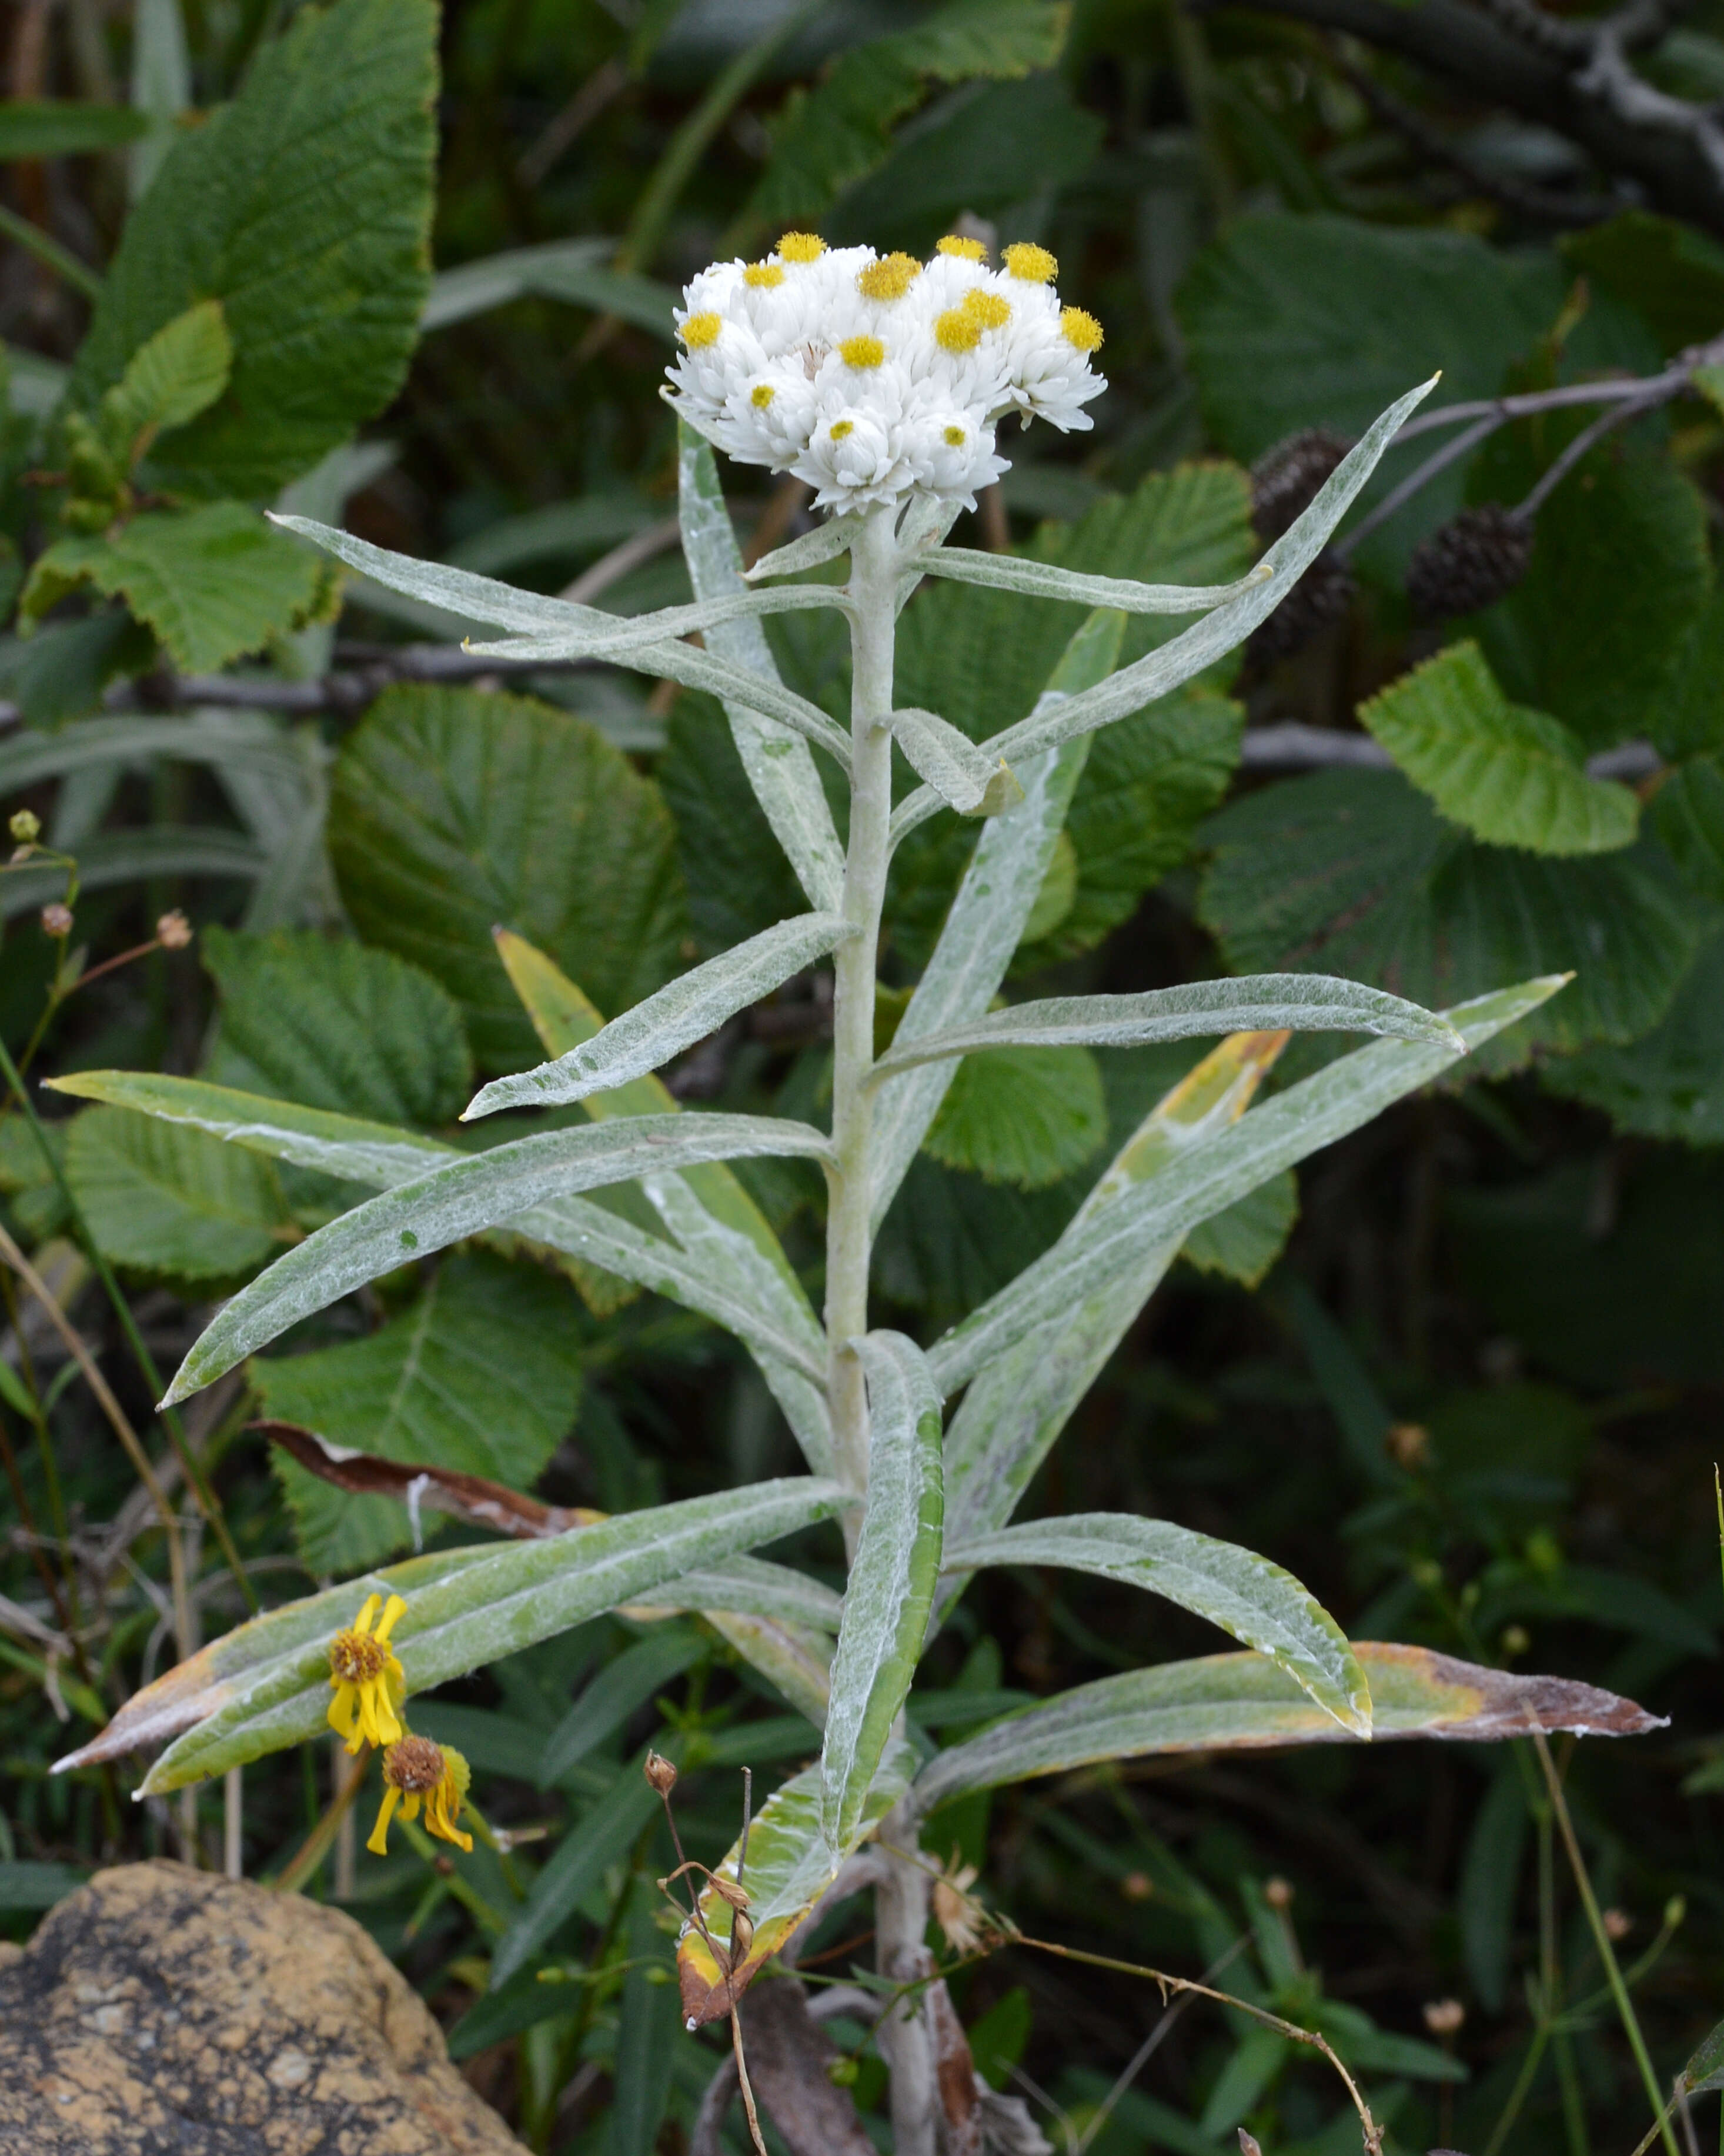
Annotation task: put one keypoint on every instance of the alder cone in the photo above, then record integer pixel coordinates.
(1322, 596)
(1286, 478)
(1469, 562)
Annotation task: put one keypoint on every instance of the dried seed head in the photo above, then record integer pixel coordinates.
(1469, 562)
(730, 1892)
(1321, 597)
(1286, 478)
(1249, 2144)
(57, 921)
(660, 1773)
(1443, 2017)
(174, 931)
(414, 1764)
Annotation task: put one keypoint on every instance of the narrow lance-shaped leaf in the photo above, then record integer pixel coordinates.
(775, 1325)
(982, 929)
(478, 1613)
(1229, 624)
(777, 763)
(967, 780)
(833, 537)
(1266, 1003)
(1243, 1593)
(1240, 1703)
(483, 598)
(1044, 580)
(1018, 1404)
(687, 1009)
(1307, 1117)
(462, 1199)
(891, 1582)
(790, 1866)
(720, 1229)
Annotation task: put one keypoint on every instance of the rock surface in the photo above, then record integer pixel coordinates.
(159, 2009)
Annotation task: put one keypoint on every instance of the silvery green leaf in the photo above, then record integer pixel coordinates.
(1017, 1405)
(726, 1282)
(463, 1198)
(1097, 1247)
(986, 919)
(1042, 580)
(506, 1599)
(825, 543)
(624, 637)
(1229, 624)
(892, 1578)
(776, 761)
(733, 1251)
(685, 1010)
(1243, 1593)
(790, 1863)
(1264, 1003)
(795, 1659)
(531, 615)
(751, 1587)
(1241, 1702)
(972, 783)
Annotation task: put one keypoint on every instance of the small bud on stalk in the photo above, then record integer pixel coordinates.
(174, 931)
(57, 921)
(25, 827)
(660, 1774)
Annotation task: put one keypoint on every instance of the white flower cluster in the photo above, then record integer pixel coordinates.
(872, 377)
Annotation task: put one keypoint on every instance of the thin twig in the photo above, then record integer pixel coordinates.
(1416, 482)
(1584, 440)
(1290, 2030)
(1152, 2044)
(611, 568)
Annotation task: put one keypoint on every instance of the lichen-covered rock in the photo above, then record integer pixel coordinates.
(159, 2009)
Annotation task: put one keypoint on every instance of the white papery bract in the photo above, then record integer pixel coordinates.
(872, 377)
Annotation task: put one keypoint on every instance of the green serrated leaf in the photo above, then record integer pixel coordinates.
(829, 137)
(1688, 814)
(1511, 776)
(336, 1026)
(172, 1201)
(1669, 272)
(170, 378)
(1024, 1116)
(304, 207)
(452, 811)
(214, 583)
(1352, 872)
(481, 1374)
(1244, 1241)
(1670, 1083)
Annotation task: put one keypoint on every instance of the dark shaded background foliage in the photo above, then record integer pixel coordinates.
(1473, 1402)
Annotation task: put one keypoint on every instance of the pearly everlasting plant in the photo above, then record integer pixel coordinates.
(882, 382)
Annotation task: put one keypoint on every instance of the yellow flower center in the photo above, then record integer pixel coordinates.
(956, 330)
(700, 330)
(890, 278)
(1081, 330)
(801, 247)
(840, 428)
(966, 251)
(761, 395)
(763, 276)
(988, 308)
(862, 351)
(1030, 264)
(956, 436)
(357, 1658)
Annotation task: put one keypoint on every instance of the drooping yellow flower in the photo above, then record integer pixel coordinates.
(368, 1682)
(416, 1772)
